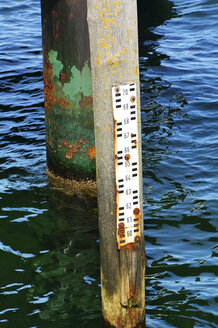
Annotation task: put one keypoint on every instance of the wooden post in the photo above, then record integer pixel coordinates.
(115, 80)
(68, 90)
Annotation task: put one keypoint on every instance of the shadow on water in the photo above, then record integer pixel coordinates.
(152, 13)
(57, 266)
(70, 270)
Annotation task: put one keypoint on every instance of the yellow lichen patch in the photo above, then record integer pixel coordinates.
(98, 60)
(130, 33)
(108, 128)
(114, 41)
(102, 44)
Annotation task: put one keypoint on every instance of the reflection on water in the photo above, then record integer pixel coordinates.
(49, 243)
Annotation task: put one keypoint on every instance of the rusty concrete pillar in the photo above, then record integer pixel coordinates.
(68, 89)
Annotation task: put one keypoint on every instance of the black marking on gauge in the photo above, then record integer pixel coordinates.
(121, 208)
(121, 220)
(136, 230)
(133, 106)
(121, 157)
(133, 118)
(133, 135)
(136, 219)
(119, 129)
(119, 123)
(135, 175)
(134, 147)
(121, 214)
(135, 197)
(132, 89)
(133, 141)
(135, 169)
(119, 135)
(118, 100)
(134, 163)
(121, 191)
(133, 112)
(135, 203)
(120, 163)
(121, 186)
(122, 241)
(120, 180)
(118, 95)
(132, 84)
(135, 192)
(120, 152)
(118, 106)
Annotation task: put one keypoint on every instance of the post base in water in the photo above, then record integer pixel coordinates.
(130, 320)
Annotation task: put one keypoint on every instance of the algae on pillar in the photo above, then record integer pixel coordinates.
(68, 89)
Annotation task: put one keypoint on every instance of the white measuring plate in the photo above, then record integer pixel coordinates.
(126, 163)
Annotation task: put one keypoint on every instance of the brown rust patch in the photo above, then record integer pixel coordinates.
(73, 148)
(130, 315)
(71, 16)
(121, 229)
(92, 153)
(49, 86)
(127, 157)
(136, 211)
(119, 322)
(132, 99)
(86, 102)
(62, 77)
(136, 239)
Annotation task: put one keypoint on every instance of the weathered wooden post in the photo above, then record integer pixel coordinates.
(68, 89)
(116, 96)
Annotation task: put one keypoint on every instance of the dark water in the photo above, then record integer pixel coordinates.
(49, 247)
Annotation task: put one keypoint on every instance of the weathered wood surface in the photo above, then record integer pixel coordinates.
(114, 59)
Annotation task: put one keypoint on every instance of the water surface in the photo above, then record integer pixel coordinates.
(49, 243)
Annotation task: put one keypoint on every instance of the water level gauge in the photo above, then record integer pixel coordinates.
(126, 163)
